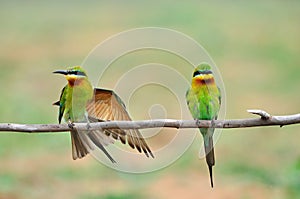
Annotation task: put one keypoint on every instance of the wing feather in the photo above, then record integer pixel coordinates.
(107, 106)
(61, 103)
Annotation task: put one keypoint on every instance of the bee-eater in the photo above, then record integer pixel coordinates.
(204, 101)
(79, 102)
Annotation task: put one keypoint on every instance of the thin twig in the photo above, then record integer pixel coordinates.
(265, 120)
(263, 114)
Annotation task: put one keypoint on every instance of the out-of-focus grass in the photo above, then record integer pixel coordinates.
(7, 182)
(114, 196)
(254, 43)
(252, 173)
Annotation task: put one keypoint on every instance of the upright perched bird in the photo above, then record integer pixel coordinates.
(79, 102)
(204, 100)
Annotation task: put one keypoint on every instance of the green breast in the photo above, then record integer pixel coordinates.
(76, 99)
(204, 102)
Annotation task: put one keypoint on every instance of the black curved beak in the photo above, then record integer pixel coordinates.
(63, 72)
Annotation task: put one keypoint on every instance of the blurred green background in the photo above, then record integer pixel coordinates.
(255, 44)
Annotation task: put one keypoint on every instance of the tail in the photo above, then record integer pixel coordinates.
(81, 145)
(96, 141)
(79, 148)
(209, 151)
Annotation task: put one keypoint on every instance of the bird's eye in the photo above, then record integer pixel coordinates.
(79, 73)
(204, 72)
(196, 73)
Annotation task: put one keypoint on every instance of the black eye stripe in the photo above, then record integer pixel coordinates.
(76, 73)
(196, 73)
(204, 72)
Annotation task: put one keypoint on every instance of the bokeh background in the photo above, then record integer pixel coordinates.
(256, 46)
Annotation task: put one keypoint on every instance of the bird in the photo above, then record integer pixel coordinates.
(204, 102)
(80, 102)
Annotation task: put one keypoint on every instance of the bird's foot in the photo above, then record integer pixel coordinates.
(71, 124)
(88, 126)
(197, 122)
(212, 123)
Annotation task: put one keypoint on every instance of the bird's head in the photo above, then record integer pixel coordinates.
(203, 74)
(73, 74)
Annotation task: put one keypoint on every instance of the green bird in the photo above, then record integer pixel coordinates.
(204, 101)
(79, 102)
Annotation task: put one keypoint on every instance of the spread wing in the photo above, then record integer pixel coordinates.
(106, 106)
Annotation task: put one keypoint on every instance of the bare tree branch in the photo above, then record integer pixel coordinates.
(265, 120)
